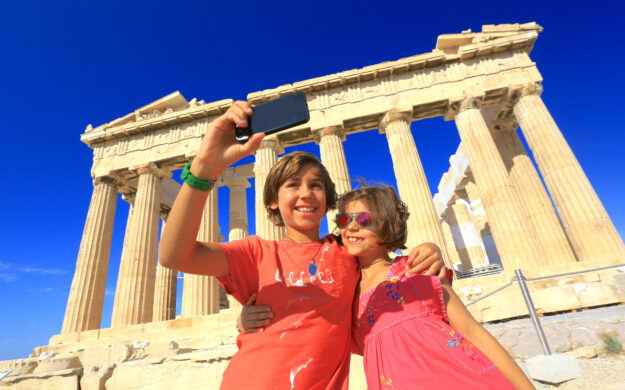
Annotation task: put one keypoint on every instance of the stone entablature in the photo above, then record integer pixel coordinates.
(425, 85)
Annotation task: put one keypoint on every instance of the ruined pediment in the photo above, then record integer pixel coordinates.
(451, 43)
(171, 103)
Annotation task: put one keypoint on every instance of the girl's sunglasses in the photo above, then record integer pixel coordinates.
(363, 219)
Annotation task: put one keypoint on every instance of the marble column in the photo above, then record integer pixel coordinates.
(238, 209)
(200, 293)
(86, 296)
(330, 140)
(423, 223)
(266, 157)
(516, 242)
(134, 297)
(238, 219)
(165, 287)
(453, 258)
(587, 224)
(478, 215)
(470, 247)
(534, 198)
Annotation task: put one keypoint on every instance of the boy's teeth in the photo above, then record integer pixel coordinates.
(306, 209)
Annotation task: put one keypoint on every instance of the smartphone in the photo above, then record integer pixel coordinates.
(276, 115)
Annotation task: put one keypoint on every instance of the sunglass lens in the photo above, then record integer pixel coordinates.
(364, 219)
(343, 220)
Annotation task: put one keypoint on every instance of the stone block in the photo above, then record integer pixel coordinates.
(19, 366)
(105, 355)
(182, 323)
(57, 364)
(553, 369)
(59, 380)
(196, 370)
(585, 352)
(95, 377)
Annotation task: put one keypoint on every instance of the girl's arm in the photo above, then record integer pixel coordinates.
(463, 321)
(179, 248)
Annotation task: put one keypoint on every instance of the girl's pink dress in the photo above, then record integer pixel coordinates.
(401, 328)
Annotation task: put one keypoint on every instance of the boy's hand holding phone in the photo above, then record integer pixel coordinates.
(239, 132)
(219, 148)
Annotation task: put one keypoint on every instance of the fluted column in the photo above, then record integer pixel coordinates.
(478, 215)
(266, 157)
(515, 241)
(200, 293)
(134, 297)
(453, 258)
(165, 287)
(330, 140)
(238, 209)
(86, 296)
(534, 199)
(470, 247)
(238, 219)
(423, 223)
(587, 224)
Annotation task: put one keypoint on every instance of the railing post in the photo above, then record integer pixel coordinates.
(532, 310)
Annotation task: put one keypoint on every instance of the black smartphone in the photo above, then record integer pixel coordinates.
(279, 114)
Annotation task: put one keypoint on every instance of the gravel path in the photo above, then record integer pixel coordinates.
(575, 334)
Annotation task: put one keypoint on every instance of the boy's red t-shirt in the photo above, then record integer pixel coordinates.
(306, 346)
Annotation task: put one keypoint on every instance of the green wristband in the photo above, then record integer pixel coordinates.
(194, 181)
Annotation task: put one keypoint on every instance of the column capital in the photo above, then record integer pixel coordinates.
(153, 169)
(105, 180)
(530, 89)
(271, 142)
(459, 106)
(339, 131)
(113, 178)
(128, 193)
(393, 116)
(460, 196)
(238, 184)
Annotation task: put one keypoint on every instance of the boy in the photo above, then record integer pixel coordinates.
(309, 282)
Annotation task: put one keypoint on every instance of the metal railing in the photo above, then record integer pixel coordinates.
(519, 277)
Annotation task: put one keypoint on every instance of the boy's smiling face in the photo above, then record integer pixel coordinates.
(302, 203)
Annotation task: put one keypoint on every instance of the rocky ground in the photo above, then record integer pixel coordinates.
(574, 334)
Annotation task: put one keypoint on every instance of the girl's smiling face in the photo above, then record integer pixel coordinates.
(362, 242)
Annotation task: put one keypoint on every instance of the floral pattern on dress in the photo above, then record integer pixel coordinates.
(387, 383)
(392, 289)
(458, 340)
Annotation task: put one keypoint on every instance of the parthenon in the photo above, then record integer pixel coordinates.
(491, 213)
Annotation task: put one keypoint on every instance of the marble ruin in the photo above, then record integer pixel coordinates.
(491, 214)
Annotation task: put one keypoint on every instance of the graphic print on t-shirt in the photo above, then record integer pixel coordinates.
(303, 278)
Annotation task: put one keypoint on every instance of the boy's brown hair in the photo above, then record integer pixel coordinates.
(289, 166)
(390, 214)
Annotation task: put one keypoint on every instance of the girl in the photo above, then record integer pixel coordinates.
(309, 281)
(413, 330)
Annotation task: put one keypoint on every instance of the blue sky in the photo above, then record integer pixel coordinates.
(68, 64)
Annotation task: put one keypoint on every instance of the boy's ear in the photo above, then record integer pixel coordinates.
(273, 205)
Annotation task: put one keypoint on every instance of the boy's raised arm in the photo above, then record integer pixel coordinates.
(178, 248)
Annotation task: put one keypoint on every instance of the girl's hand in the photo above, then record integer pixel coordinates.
(253, 318)
(426, 257)
(219, 148)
